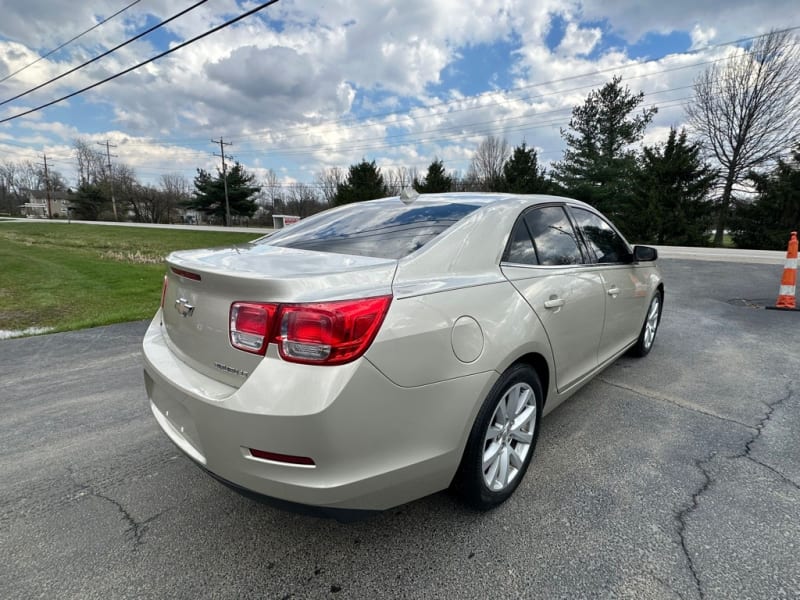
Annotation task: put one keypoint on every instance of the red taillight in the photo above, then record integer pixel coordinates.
(250, 325)
(322, 333)
(329, 333)
(164, 290)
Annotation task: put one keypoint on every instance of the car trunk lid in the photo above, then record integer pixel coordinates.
(202, 285)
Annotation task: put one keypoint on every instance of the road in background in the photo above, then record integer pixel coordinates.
(735, 255)
(680, 252)
(674, 476)
(257, 231)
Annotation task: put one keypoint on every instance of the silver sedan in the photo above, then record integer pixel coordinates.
(385, 350)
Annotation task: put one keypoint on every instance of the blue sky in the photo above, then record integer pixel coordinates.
(306, 86)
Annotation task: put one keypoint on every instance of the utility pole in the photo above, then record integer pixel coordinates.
(47, 187)
(221, 154)
(110, 175)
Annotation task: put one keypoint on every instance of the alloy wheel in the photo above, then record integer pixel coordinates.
(651, 324)
(509, 437)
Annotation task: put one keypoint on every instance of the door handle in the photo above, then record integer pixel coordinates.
(613, 292)
(554, 303)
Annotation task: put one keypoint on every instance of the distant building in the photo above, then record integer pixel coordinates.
(36, 206)
(190, 216)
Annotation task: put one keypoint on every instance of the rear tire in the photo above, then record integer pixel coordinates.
(503, 438)
(647, 336)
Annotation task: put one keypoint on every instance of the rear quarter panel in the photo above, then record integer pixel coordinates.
(416, 343)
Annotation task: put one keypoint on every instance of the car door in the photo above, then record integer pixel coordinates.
(625, 289)
(546, 263)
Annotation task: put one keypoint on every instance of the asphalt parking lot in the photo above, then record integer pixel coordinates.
(675, 476)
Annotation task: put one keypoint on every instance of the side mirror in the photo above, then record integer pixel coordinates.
(644, 254)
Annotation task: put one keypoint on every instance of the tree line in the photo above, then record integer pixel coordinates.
(734, 169)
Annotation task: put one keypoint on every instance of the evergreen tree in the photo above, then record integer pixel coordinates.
(598, 165)
(670, 203)
(522, 173)
(765, 224)
(209, 193)
(88, 202)
(364, 182)
(436, 180)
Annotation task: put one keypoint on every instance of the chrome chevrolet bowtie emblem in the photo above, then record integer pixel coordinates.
(183, 307)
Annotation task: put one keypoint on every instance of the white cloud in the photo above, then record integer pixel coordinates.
(702, 37)
(733, 19)
(579, 41)
(286, 96)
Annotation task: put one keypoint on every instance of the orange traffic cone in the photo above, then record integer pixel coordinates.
(786, 295)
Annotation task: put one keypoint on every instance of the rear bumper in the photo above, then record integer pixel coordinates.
(343, 515)
(374, 444)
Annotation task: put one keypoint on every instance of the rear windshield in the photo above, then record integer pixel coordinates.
(379, 229)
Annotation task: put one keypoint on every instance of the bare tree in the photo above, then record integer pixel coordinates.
(328, 181)
(746, 111)
(8, 173)
(9, 191)
(400, 178)
(487, 162)
(272, 190)
(56, 180)
(149, 204)
(302, 200)
(176, 190)
(18, 178)
(29, 176)
(126, 189)
(91, 163)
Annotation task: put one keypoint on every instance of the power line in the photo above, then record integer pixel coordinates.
(69, 41)
(488, 127)
(104, 54)
(316, 147)
(521, 127)
(506, 92)
(390, 140)
(469, 130)
(144, 62)
(493, 92)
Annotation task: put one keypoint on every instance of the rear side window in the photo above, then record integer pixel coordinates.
(553, 236)
(520, 247)
(607, 245)
(380, 229)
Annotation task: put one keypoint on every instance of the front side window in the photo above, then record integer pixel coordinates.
(380, 229)
(553, 236)
(607, 245)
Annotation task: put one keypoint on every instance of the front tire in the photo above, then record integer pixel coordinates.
(650, 327)
(503, 438)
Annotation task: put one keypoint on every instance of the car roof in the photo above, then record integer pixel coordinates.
(483, 199)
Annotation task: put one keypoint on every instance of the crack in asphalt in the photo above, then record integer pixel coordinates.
(136, 528)
(748, 448)
(783, 477)
(682, 515)
(661, 398)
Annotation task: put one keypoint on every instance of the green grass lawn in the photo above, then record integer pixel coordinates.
(74, 276)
